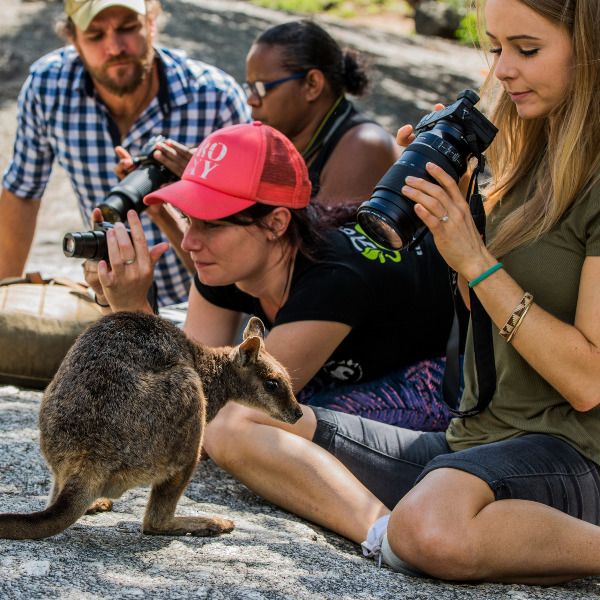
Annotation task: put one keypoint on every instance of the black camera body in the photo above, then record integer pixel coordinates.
(448, 138)
(129, 193)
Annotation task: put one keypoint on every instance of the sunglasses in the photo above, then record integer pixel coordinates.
(260, 88)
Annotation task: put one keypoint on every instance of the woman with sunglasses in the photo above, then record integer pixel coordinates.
(297, 80)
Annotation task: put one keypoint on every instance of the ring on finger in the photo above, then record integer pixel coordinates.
(444, 218)
(129, 261)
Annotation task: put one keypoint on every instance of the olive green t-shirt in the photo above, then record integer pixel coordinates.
(524, 402)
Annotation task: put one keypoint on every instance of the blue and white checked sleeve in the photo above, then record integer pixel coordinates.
(29, 170)
(233, 108)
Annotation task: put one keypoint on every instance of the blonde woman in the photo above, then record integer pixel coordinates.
(511, 494)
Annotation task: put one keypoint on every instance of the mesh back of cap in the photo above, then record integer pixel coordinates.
(284, 180)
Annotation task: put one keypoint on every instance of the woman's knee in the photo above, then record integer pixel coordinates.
(429, 544)
(429, 531)
(225, 435)
(234, 434)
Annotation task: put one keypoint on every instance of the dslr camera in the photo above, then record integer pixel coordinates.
(90, 245)
(448, 138)
(128, 194)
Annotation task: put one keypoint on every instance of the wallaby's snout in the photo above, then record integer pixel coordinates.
(287, 414)
(285, 408)
(293, 415)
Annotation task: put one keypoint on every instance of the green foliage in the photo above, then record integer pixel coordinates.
(303, 6)
(467, 32)
(343, 8)
(459, 5)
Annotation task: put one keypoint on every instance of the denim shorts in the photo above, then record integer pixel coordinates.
(390, 460)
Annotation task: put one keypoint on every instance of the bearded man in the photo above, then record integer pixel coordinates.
(111, 87)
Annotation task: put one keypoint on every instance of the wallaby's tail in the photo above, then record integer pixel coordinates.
(70, 504)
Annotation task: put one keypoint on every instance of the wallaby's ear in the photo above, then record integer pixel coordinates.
(255, 327)
(248, 350)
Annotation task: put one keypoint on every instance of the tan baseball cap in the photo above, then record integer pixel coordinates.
(82, 12)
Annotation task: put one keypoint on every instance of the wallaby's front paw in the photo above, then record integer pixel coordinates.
(100, 505)
(215, 526)
(196, 526)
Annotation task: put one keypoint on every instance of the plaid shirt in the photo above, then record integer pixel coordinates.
(61, 117)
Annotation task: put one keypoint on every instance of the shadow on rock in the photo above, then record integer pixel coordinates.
(22, 46)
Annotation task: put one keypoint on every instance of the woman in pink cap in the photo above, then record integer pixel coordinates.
(359, 328)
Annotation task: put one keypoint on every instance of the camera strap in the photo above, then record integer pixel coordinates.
(481, 326)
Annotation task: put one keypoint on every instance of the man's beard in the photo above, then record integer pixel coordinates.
(119, 87)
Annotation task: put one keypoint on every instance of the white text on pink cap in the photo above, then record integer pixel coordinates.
(206, 159)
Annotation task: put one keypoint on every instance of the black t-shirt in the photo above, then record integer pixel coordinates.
(398, 305)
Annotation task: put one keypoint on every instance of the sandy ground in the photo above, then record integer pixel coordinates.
(271, 554)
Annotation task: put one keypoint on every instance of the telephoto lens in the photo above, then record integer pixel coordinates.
(448, 138)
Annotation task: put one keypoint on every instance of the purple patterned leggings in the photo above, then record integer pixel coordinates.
(410, 397)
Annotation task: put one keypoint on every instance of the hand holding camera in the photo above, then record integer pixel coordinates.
(173, 155)
(406, 134)
(142, 175)
(428, 174)
(125, 278)
(148, 174)
(90, 269)
(442, 208)
(448, 137)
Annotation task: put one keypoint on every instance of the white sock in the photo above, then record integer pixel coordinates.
(371, 547)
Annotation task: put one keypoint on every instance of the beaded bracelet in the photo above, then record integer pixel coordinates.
(485, 274)
(518, 324)
(516, 318)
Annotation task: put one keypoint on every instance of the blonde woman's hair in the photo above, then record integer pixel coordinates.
(562, 150)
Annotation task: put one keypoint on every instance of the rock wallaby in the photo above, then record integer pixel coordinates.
(128, 407)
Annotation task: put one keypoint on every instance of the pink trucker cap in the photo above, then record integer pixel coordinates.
(235, 168)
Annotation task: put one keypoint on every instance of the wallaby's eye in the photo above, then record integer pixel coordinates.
(271, 385)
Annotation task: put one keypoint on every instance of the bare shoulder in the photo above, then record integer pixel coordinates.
(362, 156)
(369, 136)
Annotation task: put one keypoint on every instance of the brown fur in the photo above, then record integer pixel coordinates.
(128, 407)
